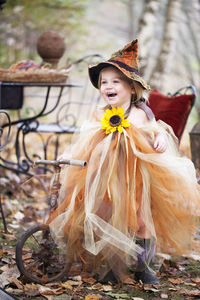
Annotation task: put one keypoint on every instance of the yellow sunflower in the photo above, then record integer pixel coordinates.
(113, 120)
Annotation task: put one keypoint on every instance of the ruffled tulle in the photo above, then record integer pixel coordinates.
(125, 184)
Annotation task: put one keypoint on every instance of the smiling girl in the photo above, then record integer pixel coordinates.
(119, 91)
(136, 192)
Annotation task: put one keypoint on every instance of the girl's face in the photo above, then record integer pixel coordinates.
(114, 89)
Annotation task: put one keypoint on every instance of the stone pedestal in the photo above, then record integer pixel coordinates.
(51, 47)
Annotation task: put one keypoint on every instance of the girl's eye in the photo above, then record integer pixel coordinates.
(103, 82)
(116, 81)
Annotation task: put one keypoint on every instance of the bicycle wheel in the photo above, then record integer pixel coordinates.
(38, 257)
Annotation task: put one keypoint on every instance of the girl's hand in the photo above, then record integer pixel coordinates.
(62, 157)
(160, 144)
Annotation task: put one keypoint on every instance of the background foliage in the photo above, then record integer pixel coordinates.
(23, 21)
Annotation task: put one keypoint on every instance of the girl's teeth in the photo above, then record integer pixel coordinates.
(112, 95)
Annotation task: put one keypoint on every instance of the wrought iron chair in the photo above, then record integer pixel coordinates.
(4, 136)
(77, 105)
(63, 109)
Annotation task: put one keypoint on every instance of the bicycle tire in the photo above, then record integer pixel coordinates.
(20, 260)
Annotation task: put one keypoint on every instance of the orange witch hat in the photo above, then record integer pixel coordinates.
(126, 60)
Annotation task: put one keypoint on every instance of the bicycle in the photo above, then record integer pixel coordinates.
(37, 255)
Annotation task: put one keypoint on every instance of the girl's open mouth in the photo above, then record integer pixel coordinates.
(111, 95)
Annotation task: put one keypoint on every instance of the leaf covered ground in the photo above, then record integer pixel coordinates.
(24, 204)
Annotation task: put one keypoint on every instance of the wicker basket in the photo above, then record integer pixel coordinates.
(38, 75)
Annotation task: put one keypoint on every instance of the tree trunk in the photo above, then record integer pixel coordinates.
(165, 59)
(145, 32)
(193, 25)
(130, 19)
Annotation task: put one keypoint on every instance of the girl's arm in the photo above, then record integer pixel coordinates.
(160, 143)
(139, 118)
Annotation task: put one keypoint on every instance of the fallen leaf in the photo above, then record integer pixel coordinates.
(97, 286)
(181, 268)
(149, 287)
(13, 291)
(66, 285)
(164, 296)
(4, 268)
(194, 256)
(16, 282)
(13, 177)
(76, 278)
(18, 216)
(44, 277)
(172, 289)
(31, 289)
(89, 280)
(196, 280)
(129, 281)
(5, 276)
(176, 281)
(190, 284)
(107, 288)
(193, 293)
(10, 237)
(73, 282)
(92, 297)
(6, 260)
(47, 291)
(165, 256)
(15, 226)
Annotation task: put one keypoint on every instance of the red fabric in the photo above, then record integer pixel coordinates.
(173, 110)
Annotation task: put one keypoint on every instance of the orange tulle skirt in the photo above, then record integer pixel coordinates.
(125, 186)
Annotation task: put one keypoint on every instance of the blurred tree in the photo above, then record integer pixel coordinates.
(169, 44)
(145, 32)
(191, 51)
(23, 21)
(164, 62)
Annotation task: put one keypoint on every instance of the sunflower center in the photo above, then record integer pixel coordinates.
(115, 120)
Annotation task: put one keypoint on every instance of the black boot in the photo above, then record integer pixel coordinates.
(143, 270)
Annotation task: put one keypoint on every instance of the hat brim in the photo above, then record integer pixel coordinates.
(95, 70)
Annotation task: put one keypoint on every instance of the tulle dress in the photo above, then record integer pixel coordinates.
(97, 218)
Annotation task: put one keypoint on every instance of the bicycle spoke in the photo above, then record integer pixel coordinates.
(36, 240)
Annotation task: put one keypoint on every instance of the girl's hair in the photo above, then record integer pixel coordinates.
(136, 98)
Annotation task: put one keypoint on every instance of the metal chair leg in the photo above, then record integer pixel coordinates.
(3, 216)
